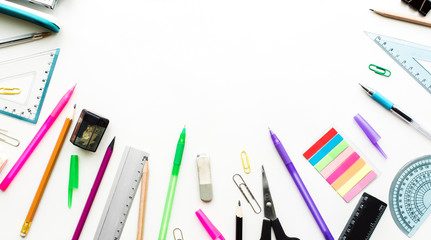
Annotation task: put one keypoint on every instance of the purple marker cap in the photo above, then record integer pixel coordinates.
(370, 132)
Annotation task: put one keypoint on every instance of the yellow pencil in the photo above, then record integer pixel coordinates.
(47, 174)
(143, 201)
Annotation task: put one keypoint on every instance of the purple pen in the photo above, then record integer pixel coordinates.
(301, 187)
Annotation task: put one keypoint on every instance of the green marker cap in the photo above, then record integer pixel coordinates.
(180, 148)
(73, 177)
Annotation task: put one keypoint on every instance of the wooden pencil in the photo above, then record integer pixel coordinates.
(239, 222)
(143, 201)
(47, 174)
(405, 18)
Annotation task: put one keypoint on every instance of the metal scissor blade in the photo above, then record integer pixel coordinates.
(268, 206)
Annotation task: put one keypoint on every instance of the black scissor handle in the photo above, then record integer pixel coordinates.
(279, 233)
(266, 230)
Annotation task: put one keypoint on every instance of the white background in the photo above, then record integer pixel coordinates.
(228, 70)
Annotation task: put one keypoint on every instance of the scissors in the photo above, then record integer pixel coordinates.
(270, 219)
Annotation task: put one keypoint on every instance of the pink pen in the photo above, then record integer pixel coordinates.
(37, 138)
(209, 227)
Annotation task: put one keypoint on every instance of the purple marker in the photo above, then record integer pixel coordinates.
(301, 187)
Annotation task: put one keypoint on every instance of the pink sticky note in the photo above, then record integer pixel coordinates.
(328, 170)
(342, 168)
(361, 185)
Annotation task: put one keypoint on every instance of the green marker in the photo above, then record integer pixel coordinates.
(172, 185)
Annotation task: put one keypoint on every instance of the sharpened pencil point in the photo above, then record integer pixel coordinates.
(111, 145)
(239, 203)
(44, 34)
(371, 9)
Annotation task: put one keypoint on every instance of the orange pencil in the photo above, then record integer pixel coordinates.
(143, 202)
(47, 174)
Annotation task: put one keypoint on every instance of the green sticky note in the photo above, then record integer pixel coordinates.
(337, 150)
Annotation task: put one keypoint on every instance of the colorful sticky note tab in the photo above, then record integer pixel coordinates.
(339, 163)
(326, 149)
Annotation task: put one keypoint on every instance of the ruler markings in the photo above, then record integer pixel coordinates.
(410, 195)
(406, 54)
(122, 193)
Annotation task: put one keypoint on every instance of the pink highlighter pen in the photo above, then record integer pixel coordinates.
(37, 138)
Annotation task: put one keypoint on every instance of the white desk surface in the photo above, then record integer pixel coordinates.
(228, 70)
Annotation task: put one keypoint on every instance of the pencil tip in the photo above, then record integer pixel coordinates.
(239, 203)
(111, 145)
(45, 34)
(74, 106)
(371, 9)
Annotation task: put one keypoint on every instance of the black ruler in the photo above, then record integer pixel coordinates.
(364, 219)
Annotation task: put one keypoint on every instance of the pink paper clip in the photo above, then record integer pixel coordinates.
(209, 227)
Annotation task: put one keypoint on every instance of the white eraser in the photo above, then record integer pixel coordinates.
(204, 175)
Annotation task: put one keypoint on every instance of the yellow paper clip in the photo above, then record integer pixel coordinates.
(10, 91)
(181, 234)
(247, 168)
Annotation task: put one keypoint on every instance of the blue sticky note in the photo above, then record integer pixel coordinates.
(326, 149)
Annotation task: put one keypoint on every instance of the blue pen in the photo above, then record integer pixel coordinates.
(386, 103)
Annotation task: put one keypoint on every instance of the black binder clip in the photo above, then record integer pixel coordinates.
(423, 6)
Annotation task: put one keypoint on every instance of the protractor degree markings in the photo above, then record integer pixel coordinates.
(410, 195)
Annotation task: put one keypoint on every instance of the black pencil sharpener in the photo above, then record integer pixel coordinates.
(89, 131)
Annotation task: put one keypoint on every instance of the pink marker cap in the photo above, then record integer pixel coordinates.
(209, 227)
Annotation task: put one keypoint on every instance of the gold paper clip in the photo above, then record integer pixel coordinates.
(8, 142)
(10, 91)
(175, 235)
(239, 185)
(246, 168)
